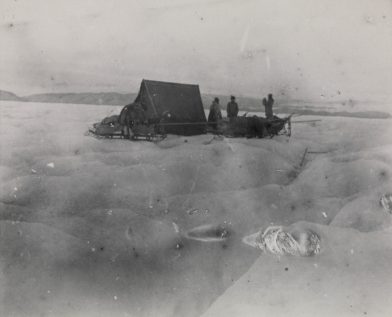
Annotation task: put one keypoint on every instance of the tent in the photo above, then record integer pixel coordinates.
(180, 104)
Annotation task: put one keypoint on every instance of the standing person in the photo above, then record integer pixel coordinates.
(232, 108)
(215, 113)
(268, 103)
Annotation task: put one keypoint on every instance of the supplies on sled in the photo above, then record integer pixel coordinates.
(107, 127)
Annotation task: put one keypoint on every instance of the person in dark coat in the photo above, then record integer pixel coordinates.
(232, 108)
(215, 113)
(268, 103)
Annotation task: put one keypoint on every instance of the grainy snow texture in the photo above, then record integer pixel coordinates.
(117, 228)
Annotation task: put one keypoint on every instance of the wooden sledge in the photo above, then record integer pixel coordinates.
(253, 127)
(249, 127)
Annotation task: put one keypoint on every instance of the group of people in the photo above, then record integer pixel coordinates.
(232, 109)
(134, 114)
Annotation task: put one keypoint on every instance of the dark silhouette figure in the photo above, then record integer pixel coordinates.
(268, 103)
(215, 113)
(232, 108)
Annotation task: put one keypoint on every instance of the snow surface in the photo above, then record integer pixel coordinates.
(99, 227)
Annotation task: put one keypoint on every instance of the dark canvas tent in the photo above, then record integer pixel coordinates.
(182, 101)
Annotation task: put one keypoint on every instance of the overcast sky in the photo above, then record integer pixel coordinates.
(332, 49)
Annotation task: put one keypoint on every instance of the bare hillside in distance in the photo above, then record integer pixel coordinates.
(344, 108)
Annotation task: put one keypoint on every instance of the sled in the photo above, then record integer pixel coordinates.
(249, 127)
(253, 127)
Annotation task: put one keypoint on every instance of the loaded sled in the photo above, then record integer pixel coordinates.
(249, 127)
(134, 131)
(253, 127)
(163, 108)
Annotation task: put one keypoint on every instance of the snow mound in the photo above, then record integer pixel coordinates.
(364, 214)
(332, 178)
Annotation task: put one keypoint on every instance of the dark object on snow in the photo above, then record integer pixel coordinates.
(131, 114)
(182, 101)
(215, 113)
(131, 117)
(161, 108)
(232, 108)
(268, 103)
(254, 127)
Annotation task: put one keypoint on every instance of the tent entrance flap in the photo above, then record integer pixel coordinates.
(176, 103)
